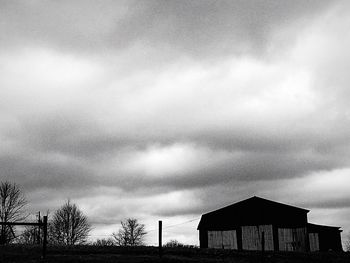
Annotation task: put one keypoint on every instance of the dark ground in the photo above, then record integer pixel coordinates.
(94, 254)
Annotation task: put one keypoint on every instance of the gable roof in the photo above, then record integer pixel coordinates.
(252, 211)
(257, 201)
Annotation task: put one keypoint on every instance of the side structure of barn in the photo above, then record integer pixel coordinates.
(324, 238)
(248, 224)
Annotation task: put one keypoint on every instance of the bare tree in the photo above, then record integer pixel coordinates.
(30, 235)
(12, 203)
(347, 243)
(69, 226)
(173, 243)
(104, 242)
(131, 233)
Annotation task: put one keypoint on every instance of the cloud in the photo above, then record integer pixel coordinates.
(196, 27)
(171, 109)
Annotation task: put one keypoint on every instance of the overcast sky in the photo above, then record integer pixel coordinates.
(170, 109)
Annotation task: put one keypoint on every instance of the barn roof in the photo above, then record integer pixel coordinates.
(251, 210)
(257, 201)
(316, 228)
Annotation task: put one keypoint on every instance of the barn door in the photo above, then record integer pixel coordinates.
(291, 239)
(214, 239)
(252, 235)
(229, 239)
(314, 242)
(222, 239)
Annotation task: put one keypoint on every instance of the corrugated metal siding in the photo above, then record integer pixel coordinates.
(292, 239)
(214, 239)
(230, 239)
(222, 239)
(314, 242)
(251, 237)
(268, 234)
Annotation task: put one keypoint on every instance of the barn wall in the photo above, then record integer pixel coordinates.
(229, 239)
(203, 239)
(268, 236)
(222, 239)
(239, 238)
(330, 240)
(252, 235)
(292, 239)
(314, 242)
(275, 238)
(215, 239)
(250, 238)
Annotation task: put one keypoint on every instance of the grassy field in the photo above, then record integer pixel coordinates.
(93, 254)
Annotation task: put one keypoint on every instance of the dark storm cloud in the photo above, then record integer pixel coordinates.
(337, 203)
(174, 108)
(66, 152)
(34, 171)
(219, 27)
(194, 27)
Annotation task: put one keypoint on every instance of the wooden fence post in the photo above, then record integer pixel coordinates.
(45, 236)
(160, 237)
(10, 224)
(39, 222)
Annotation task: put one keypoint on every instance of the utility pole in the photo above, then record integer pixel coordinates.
(160, 237)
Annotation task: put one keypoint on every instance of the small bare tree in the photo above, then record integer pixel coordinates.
(173, 243)
(32, 234)
(347, 243)
(104, 242)
(131, 233)
(69, 226)
(29, 236)
(12, 203)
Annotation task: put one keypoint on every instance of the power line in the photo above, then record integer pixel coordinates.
(189, 221)
(170, 226)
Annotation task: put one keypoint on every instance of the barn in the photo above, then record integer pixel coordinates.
(256, 222)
